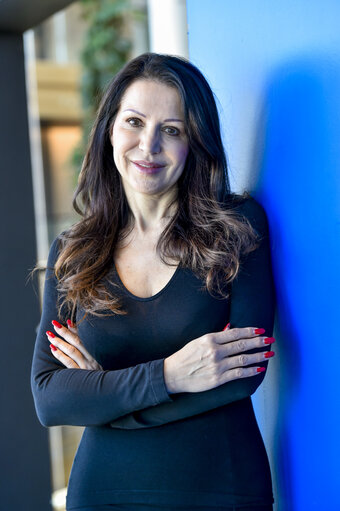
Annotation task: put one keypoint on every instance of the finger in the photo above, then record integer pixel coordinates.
(72, 326)
(241, 372)
(243, 345)
(72, 338)
(233, 334)
(244, 360)
(67, 348)
(64, 359)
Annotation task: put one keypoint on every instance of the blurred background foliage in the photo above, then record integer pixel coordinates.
(107, 47)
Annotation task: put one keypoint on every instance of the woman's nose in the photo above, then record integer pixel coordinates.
(150, 142)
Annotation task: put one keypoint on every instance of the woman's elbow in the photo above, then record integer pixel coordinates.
(43, 404)
(45, 414)
(46, 419)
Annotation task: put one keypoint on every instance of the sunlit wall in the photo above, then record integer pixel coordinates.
(275, 68)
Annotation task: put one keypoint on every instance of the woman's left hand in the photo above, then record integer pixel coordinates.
(68, 348)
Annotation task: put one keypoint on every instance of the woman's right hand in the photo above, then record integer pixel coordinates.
(214, 359)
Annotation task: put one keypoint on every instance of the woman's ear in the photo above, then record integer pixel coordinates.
(111, 134)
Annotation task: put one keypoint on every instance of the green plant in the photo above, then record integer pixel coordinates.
(107, 48)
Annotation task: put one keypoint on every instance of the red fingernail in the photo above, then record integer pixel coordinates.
(70, 324)
(53, 347)
(51, 334)
(269, 354)
(269, 340)
(260, 369)
(226, 327)
(259, 330)
(55, 323)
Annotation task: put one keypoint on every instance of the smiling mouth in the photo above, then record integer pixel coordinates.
(148, 168)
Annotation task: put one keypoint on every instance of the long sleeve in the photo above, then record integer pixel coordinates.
(83, 397)
(252, 303)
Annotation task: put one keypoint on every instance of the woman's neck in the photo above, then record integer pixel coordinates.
(151, 215)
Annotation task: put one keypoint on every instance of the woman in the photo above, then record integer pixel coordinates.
(138, 293)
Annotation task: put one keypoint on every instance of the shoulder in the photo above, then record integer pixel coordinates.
(247, 206)
(55, 249)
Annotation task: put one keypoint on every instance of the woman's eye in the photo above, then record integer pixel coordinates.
(170, 130)
(133, 121)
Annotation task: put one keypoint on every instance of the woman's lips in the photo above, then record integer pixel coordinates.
(148, 168)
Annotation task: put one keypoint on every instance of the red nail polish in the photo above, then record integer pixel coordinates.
(226, 327)
(53, 347)
(55, 323)
(70, 324)
(269, 340)
(51, 334)
(259, 331)
(260, 369)
(269, 354)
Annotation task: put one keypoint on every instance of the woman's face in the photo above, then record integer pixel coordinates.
(150, 146)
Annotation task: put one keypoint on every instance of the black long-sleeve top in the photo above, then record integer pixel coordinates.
(142, 444)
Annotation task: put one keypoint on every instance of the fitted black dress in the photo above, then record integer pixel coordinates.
(143, 448)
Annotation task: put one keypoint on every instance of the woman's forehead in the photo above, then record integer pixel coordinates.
(146, 96)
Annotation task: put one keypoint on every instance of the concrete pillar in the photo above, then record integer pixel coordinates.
(24, 455)
(168, 27)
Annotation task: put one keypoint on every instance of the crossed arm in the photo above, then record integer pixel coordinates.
(252, 304)
(136, 397)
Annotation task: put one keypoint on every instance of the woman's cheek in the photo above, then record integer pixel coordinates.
(183, 151)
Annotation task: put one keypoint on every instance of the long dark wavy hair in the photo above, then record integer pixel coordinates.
(205, 234)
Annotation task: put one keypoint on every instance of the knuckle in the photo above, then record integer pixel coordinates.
(243, 360)
(214, 354)
(215, 379)
(209, 344)
(241, 345)
(75, 342)
(211, 354)
(203, 340)
(238, 372)
(235, 333)
(209, 340)
(72, 350)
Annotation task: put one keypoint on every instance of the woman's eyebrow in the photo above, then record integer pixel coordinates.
(136, 111)
(143, 115)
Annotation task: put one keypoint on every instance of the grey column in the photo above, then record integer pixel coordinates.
(24, 452)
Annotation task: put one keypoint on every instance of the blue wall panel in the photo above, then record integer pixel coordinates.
(275, 68)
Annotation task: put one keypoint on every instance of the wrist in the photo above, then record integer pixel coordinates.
(168, 378)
